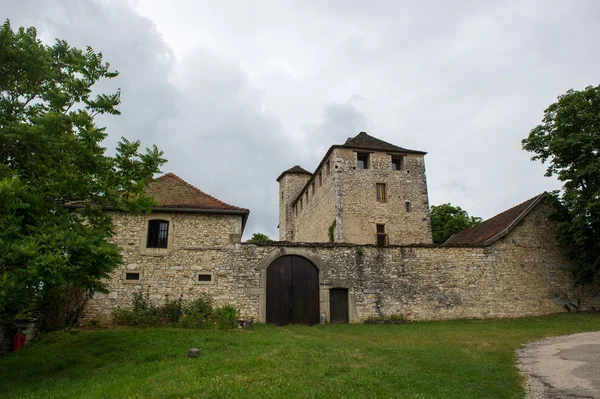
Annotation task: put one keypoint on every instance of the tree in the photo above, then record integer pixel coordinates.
(447, 220)
(258, 237)
(569, 140)
(51, 159)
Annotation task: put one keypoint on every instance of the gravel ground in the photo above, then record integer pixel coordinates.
(562, 367)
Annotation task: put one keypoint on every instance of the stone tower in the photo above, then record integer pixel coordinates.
(365, 191)
(291, 182)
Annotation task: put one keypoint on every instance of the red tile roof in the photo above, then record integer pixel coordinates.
(171, 191)
(497, 227)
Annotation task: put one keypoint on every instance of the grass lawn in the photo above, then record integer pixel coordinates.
(454, 359)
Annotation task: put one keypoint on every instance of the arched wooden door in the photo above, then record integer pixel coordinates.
(292, 291)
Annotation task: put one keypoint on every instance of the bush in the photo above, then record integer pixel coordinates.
(393, 319)
(225, 317)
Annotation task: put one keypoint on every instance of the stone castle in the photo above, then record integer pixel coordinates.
(355, 241)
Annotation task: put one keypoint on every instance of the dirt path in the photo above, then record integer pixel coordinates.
(562, 367)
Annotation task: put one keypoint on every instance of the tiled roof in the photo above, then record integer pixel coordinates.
(171, 191)
(295, 169)
(497, 227)
(364, 141)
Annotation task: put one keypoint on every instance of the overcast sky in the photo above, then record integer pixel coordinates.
(234, 92)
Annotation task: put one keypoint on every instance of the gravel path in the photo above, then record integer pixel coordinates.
(562, 367)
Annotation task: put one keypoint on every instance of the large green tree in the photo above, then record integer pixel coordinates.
(568, 139)
(447, 220)
(51, 158)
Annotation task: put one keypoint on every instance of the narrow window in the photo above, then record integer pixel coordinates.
(300, 203)
(381, 192)
(158, 234)
(381, 235)
(132, 276)
(306, 196)
(397, 162)
(407, 204)
(282, 195)
(328, 167)
(313, 188)
(362, 160)
(204, 278)
(320, 179)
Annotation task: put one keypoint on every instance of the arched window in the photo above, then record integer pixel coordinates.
(158, 234)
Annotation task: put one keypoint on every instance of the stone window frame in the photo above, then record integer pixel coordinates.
(141, 279)
(381, 195)
(212, 277)
(399, 160)
(144, 238)
(408, 206)
(366, 159)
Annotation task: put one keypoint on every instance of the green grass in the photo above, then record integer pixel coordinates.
(454, 359)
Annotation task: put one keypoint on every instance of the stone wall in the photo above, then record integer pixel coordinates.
(290, 186)
(360, 210)
(525, 273)
(316, 211)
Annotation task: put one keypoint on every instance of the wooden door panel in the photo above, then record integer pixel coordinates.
(305, 292)
(338, 305)
(279, 282)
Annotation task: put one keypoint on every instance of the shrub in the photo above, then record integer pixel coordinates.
(393, 319)
(225, 317)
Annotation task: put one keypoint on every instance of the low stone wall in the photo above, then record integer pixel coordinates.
(422, 282)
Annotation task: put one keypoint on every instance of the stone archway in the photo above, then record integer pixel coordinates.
(292, 291)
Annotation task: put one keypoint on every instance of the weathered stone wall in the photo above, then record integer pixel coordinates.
(360, 210)
(316, 209)
(525, 273)
(290, 186)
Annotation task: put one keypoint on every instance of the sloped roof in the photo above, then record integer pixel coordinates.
(294, 169)
(364, 141)
(171, 191)
(496, 227)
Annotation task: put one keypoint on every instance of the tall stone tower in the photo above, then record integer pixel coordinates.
(365, 191)
(291, 182)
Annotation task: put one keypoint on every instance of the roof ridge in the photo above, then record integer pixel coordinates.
(171, 174)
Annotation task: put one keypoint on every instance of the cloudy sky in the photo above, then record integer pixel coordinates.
(234, 92)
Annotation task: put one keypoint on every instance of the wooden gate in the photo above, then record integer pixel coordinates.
(338, 305)
(292, 291)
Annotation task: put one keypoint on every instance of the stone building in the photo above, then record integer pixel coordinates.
(508, 266)
(365, 191)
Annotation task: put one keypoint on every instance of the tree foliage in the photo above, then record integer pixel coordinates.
(568, 139)
(258, 237)
(51, 158)
(447, 220)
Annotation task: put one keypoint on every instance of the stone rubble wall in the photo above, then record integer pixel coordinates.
(523, 274)
(360, 211)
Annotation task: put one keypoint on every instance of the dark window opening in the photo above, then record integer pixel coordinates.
(362, 160)
(313, 188)
(407, 203)
(397, 162)
(328, 167)
(381, 192)
(158, 234)
(205, 277)
(320, 179)
(132, 276)
(381, 235)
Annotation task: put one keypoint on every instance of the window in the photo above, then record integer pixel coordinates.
(362, 160)
(158, 233)
(381, 193)
(407, 204)
(300, 203)
(381, 235)
(132, 276)
(204, 277)
(306, 196)
(397, 162)
(313, 188)
(320, 179)
(328, 167)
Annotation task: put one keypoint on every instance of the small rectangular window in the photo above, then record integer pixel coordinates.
(362, 160)
(407, 204)
(158, 234)
(306, 196)
(381, 235)
(397, 162)
(328, 167)
(313, 188)
(132, 276)
(204, 277)
(320, 179)
(381, 192)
